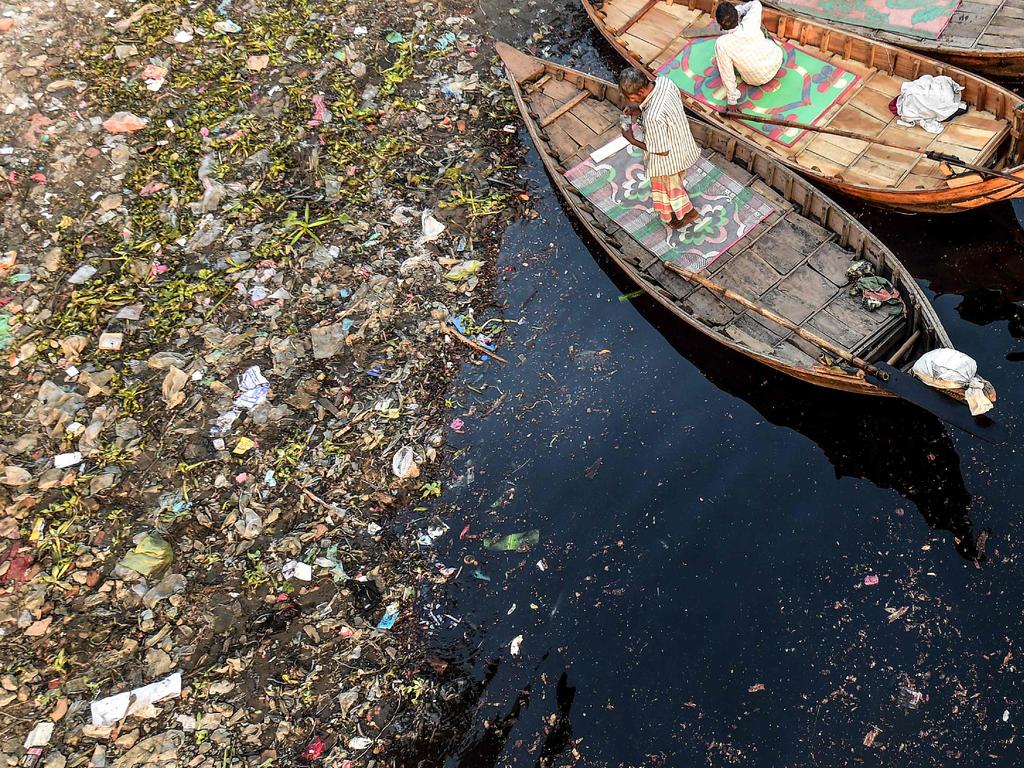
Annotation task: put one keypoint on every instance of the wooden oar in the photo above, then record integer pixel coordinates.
(942, 157)
(885, 376)
(937, 156)
(734, 115)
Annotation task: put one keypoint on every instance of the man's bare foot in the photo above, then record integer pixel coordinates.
(688, 219)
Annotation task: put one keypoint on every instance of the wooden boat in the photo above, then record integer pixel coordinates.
(984, 37)
(988, 135)
(793, 262)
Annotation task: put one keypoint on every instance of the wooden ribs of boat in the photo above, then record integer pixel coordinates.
(983, 36)
(990, 134)
(794, 262)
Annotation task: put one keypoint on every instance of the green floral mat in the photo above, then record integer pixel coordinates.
(618, 185)
(802, 92)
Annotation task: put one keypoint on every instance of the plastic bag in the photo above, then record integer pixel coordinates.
(151, 556)
(513, 542)
(949, 369)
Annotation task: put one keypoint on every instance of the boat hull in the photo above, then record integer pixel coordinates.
(971, 191)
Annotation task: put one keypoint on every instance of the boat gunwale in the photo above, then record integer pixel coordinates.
(927, 319)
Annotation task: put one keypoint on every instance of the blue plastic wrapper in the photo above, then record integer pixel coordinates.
(389, 618)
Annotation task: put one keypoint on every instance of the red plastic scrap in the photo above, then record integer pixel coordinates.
(314, 750)
(19, 564)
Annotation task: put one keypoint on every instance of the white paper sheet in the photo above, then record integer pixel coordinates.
(608, 149)
(110, 710)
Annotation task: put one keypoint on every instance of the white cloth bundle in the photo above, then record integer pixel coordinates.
(949, 369)
(928, 100)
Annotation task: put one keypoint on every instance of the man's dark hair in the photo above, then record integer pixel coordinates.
(726, 16)
(632, 81)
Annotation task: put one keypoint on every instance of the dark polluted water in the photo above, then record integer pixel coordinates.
(733, 568)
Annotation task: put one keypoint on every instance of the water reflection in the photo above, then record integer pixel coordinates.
(889, 443)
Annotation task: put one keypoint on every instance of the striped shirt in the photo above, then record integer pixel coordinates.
(667, 129)
(748, 51)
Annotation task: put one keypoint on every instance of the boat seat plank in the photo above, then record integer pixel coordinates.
(812, 351)
(903, 136)
(831, 262)
(821, 164)
(836, 147)
(773, 198)
(964, 153)
(848, 64)
(967, 136)
(980, 119)
(781, 258)
(596, 115)
(708, 308)
(885, 83)
(562, 145)
(580, 131)
(913, 182)
(849, 311)
(560, 90)
(794, 308)
(806, 284)
(748, 325)
(628, 7)
(684, 13)
(543, 104)
(640, 47)
(993, 40)
(656, 28)
(744, 339)
(744, 245)
(748, 275)
(732, 170)
(828, 325)
(674, 284)
(792, 354)
(586, 150)
(787, 244)
(613, 16)
(850, 118)
(691, 26)
(885, 164)
(874, 103)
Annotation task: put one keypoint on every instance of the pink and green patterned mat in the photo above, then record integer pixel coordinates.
(619, 187)
(802, 92)
(924, 19)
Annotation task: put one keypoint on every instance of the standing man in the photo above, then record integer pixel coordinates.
(668, 145)
(744, 48)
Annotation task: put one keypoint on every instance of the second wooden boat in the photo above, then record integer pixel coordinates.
(794, 261)
(983, 37)
(900, 175)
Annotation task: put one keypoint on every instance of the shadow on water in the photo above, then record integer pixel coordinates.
(890, 443)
